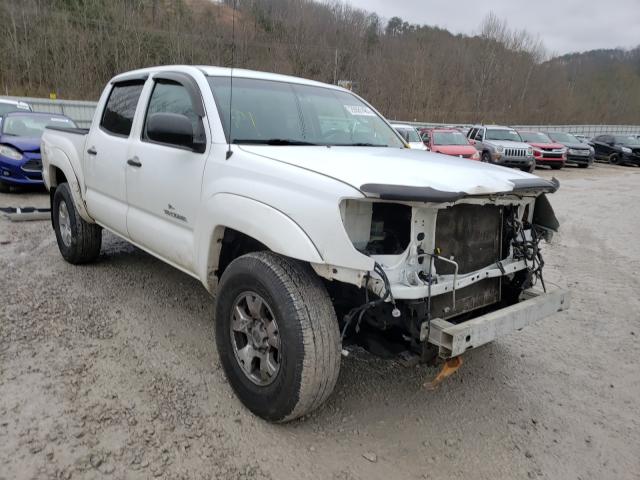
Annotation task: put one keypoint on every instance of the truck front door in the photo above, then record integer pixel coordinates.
(164, 171)
(107, 149)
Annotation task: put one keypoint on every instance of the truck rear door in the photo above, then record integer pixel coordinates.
(107, 150)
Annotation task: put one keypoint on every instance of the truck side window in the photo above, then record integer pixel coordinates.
(472, 133)
(117, 117)
(480, 135)
(171, 97)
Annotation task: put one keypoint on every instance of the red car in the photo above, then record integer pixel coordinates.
(449, 141)
(545, 150)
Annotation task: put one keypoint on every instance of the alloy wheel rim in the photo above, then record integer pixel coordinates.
(64, 223)
(255, 338)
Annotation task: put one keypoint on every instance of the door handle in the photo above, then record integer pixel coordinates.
(92, 151)
(134, 162)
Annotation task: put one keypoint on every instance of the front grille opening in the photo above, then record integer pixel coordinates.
(470, 235)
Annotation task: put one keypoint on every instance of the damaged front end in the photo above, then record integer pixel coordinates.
(443, 259)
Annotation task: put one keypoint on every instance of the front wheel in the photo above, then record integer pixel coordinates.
(556, 167)
(486, 157)
(277, 335)
(614, 159)
(530, 169)
(78, 241)
(4, 187)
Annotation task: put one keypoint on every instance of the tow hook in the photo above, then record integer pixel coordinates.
(451, 366)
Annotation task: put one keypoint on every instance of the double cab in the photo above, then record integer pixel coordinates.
(301, 209)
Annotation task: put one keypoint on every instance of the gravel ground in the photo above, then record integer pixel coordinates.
(110, 370)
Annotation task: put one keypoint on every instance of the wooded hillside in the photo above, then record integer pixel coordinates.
(72, 47)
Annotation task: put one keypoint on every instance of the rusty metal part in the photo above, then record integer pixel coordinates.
(450, 367)
(21, 214)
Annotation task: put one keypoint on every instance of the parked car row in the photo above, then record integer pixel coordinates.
(20, 133)
(523, 149)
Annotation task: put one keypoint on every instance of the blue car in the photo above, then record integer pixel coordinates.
(20, 132)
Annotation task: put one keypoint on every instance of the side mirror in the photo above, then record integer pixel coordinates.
(172, 129)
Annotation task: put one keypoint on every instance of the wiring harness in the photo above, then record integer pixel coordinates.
(360, 310)
(527, 249)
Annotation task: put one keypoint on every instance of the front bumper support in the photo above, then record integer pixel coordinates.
(453, 340)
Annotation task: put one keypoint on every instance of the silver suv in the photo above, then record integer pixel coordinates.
(502, 146)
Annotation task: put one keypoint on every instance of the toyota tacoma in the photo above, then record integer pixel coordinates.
(300, 208)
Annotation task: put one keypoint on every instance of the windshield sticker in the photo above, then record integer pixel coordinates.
(358, 110)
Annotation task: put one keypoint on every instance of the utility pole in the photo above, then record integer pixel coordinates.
(335, 68)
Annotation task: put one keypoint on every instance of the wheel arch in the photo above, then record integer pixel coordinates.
(233, 225)
(58, 169)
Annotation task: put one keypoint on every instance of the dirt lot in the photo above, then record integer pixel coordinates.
(110, 370)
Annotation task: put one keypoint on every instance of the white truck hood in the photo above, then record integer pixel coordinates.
(364, 167)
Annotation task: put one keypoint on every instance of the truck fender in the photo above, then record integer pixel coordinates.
(57, 158)
(271, 227)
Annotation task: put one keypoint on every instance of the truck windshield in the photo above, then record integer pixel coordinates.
(503, 134)
(32, 126)
(280, 113)
(449, 138)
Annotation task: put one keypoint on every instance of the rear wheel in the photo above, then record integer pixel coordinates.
(277, 335)
(78, 241)
(614, 159)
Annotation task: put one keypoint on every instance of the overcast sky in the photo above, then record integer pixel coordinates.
(563, 25)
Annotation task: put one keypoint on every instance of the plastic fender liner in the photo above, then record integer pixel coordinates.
(543, 214)
(407, 193)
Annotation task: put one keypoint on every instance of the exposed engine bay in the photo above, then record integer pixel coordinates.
(449, 261)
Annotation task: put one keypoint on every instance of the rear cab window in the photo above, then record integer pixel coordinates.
(117, 117)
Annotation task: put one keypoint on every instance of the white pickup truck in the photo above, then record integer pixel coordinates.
(300, 208)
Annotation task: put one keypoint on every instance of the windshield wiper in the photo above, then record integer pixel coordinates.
(272, 141)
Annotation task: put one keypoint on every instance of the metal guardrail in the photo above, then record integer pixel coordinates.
(79, 111)
(82, 113)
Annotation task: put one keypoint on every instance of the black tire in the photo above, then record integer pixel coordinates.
(583, 165)
(84, 239)
(486, 157)
(556, 167)
(614, 159)
(4, 187)
(309, 337)
(530, 169)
